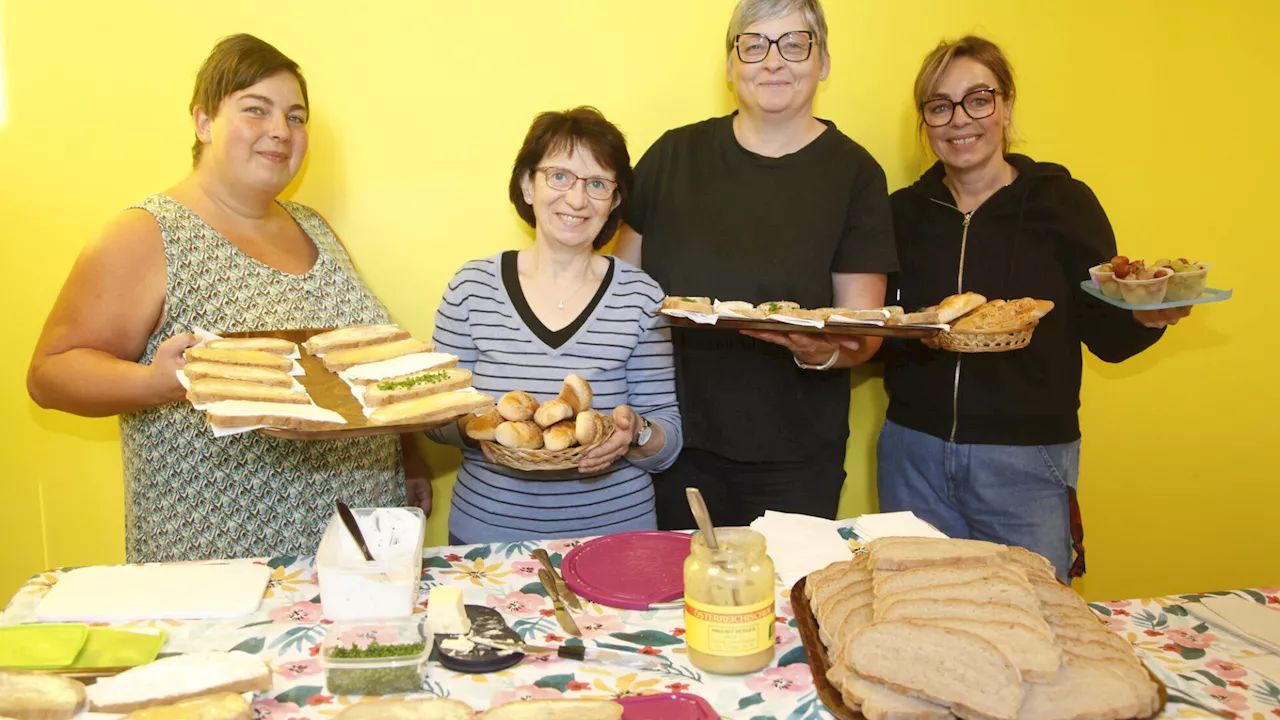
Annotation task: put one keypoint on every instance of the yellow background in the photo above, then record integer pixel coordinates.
(1167, 109)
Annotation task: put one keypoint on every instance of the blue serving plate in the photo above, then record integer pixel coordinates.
(1210, 295)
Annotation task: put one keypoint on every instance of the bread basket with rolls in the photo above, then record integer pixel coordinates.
(523, 434)
(979, 325)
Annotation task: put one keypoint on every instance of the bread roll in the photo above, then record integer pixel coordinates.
(560, 436)
(252, 358)
(180, 677)
(245, 373)
(559, 709)
(576, 392)
(954, 306)
(354, 336)
(265, 344)
(209, 390)
(481, 427)
(431, 382)
(519, 435)
(289, 416)
(774, 306)
(517, 405)
(589, 427)
(925, 316)
(223, 706)
(688, 304)
(340, 360)
(39, 695)
(552, 412)
(803, 314)
(397, 709)
(432, 408)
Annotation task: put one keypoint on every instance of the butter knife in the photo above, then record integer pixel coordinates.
(562, 615)
(569, 598)
(578, 652)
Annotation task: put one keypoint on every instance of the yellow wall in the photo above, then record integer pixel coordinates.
(1165, 108)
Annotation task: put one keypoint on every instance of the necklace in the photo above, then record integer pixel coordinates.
(560, 305)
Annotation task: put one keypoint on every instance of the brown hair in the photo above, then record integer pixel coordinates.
(971, 46)
(235, 63)
(582, 128)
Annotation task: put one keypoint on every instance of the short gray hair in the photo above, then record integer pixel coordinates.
(749, 12)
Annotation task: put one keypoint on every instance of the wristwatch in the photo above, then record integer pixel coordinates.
(830, 363)
(644, 433)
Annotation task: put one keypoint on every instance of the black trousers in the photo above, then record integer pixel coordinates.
(739, 492)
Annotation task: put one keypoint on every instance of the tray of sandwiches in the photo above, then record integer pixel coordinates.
(787, 316)
(524, 434)
(319, 384)
(925, 628)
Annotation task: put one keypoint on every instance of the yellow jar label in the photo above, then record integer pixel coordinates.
(729, 631)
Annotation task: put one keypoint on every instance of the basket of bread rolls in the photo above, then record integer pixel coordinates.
(525, 434)
(993, 325)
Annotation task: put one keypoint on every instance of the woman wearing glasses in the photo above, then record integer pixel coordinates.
(987, 445)
(769, 203)
(523, 320)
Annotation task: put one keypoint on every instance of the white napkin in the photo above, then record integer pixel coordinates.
(700, 318)
(1248, 620)
(800, 544)
(894, 524)
(796, 321)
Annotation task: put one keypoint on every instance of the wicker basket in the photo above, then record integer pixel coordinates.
(987, 341)
(542, 459)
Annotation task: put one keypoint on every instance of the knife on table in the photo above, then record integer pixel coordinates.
(578, 652)
(569, 598)
(562, 615)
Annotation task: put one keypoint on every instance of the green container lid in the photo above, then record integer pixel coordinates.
(41, 647)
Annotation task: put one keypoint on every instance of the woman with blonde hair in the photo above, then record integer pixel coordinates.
(987, 445)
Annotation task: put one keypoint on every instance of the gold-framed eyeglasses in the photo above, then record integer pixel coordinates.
(794, 46)
(977, 104)
(598, 188)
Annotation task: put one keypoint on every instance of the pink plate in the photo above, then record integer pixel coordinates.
(672, 706)
(628, 570)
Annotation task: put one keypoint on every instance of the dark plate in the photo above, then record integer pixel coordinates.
(889, 331)
(489, 624)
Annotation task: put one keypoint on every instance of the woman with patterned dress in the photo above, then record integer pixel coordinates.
(218, 251)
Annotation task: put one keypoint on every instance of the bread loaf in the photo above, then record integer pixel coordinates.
(339, 360)
(252, 358)
(559, 436)
(431, 382)
(589, 427)
(288, 416)
(34, 695)
(353, 337)
(481, 427)
(200, 370)
(556, 710)
(179, 677)
(430, 409)
(519, 435)
(517, 406)
(265, 344)
(954, 306)
(552, 412)
(207, 390)
(222, 706)
(415, 709)
(576, 392)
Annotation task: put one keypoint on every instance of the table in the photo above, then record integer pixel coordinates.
(1201, 666)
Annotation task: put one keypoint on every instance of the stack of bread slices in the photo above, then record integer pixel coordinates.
(922, 628)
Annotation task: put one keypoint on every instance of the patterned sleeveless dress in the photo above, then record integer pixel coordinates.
(189, 495)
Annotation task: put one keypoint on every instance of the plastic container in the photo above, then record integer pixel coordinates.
(375, 658)
(728, 595)
(352, 588)
(1145, 292)
(1105, 281)
(1188, 285)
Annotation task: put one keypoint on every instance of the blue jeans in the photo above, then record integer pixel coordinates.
(1010, 494)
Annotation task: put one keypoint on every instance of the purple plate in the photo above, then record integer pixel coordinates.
(628, 570)
(672, 706)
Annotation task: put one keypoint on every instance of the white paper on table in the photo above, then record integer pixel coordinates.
(723, 311)
(796, 321)
(895, 524)
(1248, 620)
(700, 318)
(801, 544)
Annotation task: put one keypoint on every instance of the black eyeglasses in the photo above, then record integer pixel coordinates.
(598, 188)
(794, 46)
(977, 104)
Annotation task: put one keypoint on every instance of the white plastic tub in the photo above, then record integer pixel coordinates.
(352, 588)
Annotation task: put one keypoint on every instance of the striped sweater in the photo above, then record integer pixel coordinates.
(624, 353)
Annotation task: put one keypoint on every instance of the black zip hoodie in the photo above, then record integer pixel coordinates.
(1036, 237)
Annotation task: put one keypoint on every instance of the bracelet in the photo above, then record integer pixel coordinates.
(830, 363)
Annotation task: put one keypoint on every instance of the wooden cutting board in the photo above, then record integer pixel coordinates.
(121, 593)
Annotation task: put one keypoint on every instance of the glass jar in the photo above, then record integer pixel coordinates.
(728, 595)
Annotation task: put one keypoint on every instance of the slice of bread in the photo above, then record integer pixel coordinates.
(905, 553)
(246, 413)
(966, 610)
(200, 370)
(431, 382)
(252, 358)
(428, 709)
(1054, 593)
(555, 710)
(1035, 656)
(773, 306)
(1033, 563)
(398, 368)
(32, 695)
(877, 702)
(432, 408)
(1094, 633)
(180, 677)
(688, 304)
(265, 344)
(858, 618)
(837, 609)
(842, 584)
(819, 577)
(988, 589)
(803, 314)
(223, 706)
(857, 593)
(942, 575)
(208, 390)
(953, 668)
(340, 360)
(354, 336)
(1084, 690)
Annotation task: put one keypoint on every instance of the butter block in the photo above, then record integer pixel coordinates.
(446, 614)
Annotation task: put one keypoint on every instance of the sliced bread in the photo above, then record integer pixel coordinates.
(1084, 690)
(988, 589)
(354, 336)
(887, 584)
(860, 592)
(1036, 657)
(850, 582)
(877, 702)
(39, 696)
(924, 608)
(904, 553)
(953, 668)
(858, 618)
(179, 677)
(835, 616)
(223, 706)
(1034, 563)
(1052, 592)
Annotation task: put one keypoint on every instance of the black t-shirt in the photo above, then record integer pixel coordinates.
(724, 222)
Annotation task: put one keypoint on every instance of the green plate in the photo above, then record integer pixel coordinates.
(114, 647)
(41, 647)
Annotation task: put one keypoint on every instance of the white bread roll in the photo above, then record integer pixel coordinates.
(253, 358)
(39, 695)
(773, 306)
(517, 405)
(954, 306)
(576, 392)
(688, 304)
(552, 412)
(340, 360)
(207, 390)
(200, 370)
(429, 409)
(589, 427)
(278, 346)
(559, 436)
(481, 427)
(354, 336)
(519, 435)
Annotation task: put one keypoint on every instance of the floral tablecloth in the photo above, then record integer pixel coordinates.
(1202, 667)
